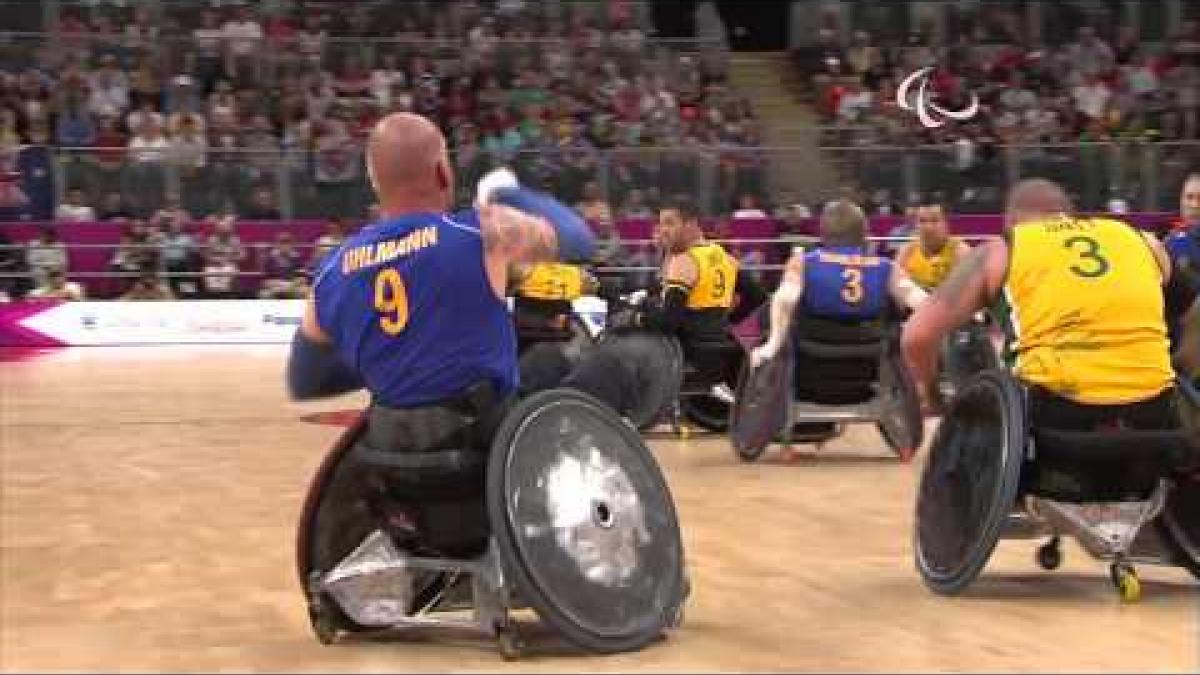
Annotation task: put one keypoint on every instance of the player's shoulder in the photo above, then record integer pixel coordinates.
(1119, 223)
(465, 218)
(681, 266)
(681, 259)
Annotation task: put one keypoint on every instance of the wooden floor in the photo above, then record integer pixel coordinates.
(148, 499)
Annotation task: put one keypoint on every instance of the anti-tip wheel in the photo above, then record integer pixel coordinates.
(509, 642)
(1126, 580)
(1049, 555)
(324, 626)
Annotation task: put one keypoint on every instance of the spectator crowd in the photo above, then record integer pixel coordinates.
(229, 105)
(1101, 85)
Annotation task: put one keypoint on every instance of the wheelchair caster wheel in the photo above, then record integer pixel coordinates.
(509, 642)
(324, 627)
(1125, 578)
(1049, 555)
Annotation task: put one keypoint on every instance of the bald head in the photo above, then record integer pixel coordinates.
(1036, 198)
(408, 165)
(843, 223)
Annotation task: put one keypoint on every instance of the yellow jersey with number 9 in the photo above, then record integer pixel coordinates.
(1086, 303)
(715, 279)
(929, 271)
(552, 281)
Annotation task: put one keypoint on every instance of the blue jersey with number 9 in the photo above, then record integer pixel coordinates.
(842, 282)
(408, 305)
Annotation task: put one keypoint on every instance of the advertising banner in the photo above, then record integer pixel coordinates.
(56, 324)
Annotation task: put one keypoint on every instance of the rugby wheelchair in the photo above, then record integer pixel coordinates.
(992, 475)
(536, 323)
(564, 512)
(828, 374)
(698, 389)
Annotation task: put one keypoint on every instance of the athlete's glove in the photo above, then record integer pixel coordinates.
(492, 181)
(761, 354)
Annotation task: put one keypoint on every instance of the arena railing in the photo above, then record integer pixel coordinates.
(1143, 174)
(630, 256)
(330, 181)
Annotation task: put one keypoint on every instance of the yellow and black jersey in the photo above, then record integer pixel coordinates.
(554, 281)
(716, 275)
(929, 270)
(709, 299)
(1085, 303)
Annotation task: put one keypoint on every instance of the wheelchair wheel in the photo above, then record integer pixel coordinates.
(970, 482)
(901, 425)
(584, 522)
(1179, 525)
(761, 409)
(707, 412)
(326, 617)
(659, 360)
(312, 499)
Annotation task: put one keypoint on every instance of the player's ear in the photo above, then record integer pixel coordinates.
(442, 175)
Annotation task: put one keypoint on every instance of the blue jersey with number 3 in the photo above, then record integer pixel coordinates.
(842, 282)
(407, 304)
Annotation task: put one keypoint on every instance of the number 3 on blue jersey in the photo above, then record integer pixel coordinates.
(391, 301)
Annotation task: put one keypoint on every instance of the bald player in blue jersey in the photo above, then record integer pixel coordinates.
(413, 306)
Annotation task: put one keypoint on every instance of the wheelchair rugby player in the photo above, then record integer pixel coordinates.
(452, 493)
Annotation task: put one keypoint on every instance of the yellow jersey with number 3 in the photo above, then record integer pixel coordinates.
(552, 281)
(929, 271)
(716, 276)
(1086, 303)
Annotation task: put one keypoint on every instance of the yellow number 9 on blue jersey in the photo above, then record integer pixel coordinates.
(391, 301)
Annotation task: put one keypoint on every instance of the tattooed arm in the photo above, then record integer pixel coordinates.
(970, 288)
(512, 237)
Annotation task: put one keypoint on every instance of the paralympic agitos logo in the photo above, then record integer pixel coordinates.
(930, 113)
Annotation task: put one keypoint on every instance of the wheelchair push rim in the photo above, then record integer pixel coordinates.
(970, 483)
(584, 522)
